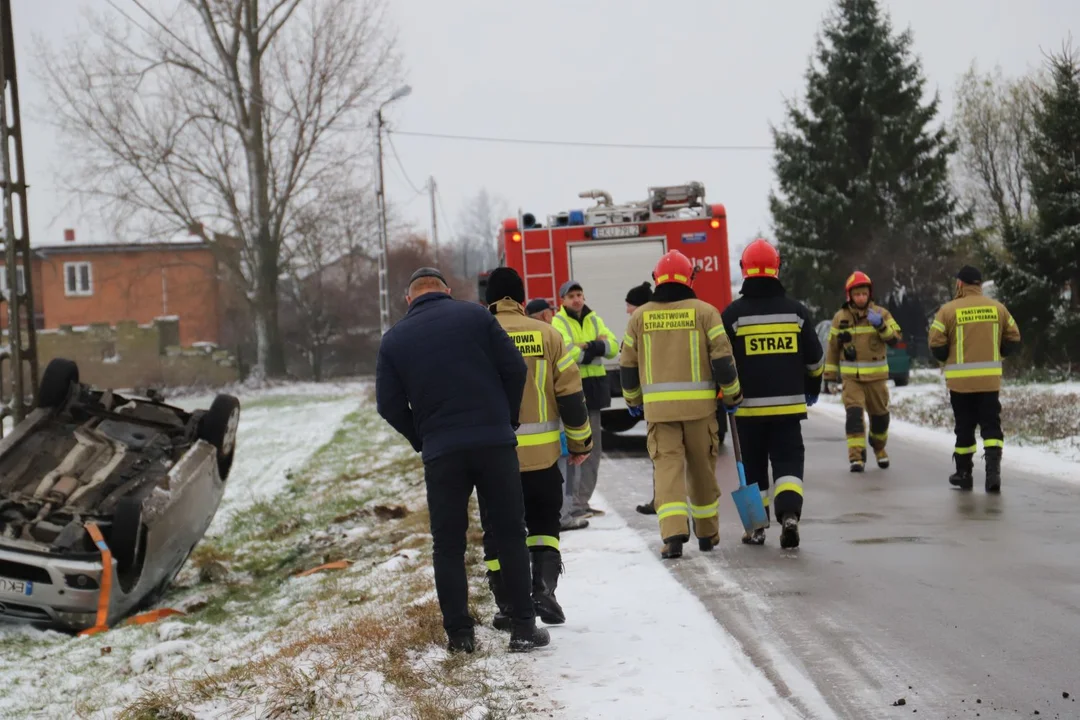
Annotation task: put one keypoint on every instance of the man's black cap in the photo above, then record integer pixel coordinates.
(639, 294)
(969, 275)
(426, 272)
(505, 282)
(537, 305)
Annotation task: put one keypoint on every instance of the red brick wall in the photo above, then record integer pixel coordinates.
(137, 286)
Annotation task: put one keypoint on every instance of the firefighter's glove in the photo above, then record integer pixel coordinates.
(811, 400)
(844, 337)
(849, 353)
(733, 405)
(875, 318)
(636, 411)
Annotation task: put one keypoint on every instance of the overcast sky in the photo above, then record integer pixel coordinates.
(705, 72)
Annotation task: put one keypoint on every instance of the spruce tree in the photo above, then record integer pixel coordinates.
(1039, 275)
(862, 171)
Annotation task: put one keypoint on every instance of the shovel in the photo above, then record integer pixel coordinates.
(747, 499)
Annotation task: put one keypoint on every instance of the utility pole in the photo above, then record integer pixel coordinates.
(384, 292)
(434, 222)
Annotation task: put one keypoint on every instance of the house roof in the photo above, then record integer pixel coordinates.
(92, 248)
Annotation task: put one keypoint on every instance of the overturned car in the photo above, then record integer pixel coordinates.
(92, 475)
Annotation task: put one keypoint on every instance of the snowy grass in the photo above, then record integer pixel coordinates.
(260, 641)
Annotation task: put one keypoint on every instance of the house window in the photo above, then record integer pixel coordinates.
(78, 280)
(20, 279)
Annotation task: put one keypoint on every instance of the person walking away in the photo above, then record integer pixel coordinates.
(780, 363)
(450, 380)
(553, 398)
(970, 335)
(635, 298)
(857, 354)
(674, 355)
(589, 342)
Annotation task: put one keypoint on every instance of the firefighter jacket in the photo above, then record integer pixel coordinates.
(674, 354)
(970, 335)
(599, 344)
(552, 391)
(856, 350)
(778, 354)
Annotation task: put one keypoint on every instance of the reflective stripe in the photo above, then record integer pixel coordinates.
(817, 372)
(975, 369)
(937, 325)
(715, 332)
(1012, 321)
(879, 436)
(664, 392)
(538, 439)
(632, 394)
(695, 356)
(540, 371)
(788, 483)
(960, 345)
(671, 510)
(766, 319)
(775, 400)
(576, 353)
(970, 450)
(647, 339)
(733, 389)
(705, 511)
(866, 368)
(493, 565)
(997, 344)
(993, 443)
(765, 497)
(814, 366)
(773, 410)
(764, 328)
(542, 541)
(856, 442)
(538, 427)
(578, 433)
(565, 362)
(831, 368)
(628, 341)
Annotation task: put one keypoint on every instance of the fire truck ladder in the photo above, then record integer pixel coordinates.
(20, 353)
(550, 274)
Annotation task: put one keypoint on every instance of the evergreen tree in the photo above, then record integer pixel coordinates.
(863, 176)
(1038, 275)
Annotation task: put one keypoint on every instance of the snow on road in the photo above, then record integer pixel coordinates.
(638, 645)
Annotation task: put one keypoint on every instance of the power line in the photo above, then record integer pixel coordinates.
(579, 143)
(401, 166)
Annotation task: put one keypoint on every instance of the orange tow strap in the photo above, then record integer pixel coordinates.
(151, 616)
(102, 623)
(336, 565)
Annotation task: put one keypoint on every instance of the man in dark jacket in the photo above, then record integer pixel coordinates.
(450, 380)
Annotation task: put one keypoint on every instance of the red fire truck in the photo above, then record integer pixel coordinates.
(609, 248)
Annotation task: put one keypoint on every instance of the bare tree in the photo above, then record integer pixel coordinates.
(477, 237)
(993, 123)
(224, 114)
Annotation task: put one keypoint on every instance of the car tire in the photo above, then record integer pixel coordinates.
(901, 380)
(617, 421)
(218, 427)
(56, 382)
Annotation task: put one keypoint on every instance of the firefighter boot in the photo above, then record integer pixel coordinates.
(857, 466)
(789, 536)
(501, 621)
(546, 567)
(962, 477)
(648, 508)
(757, 537)
(993, 470)
(706, 544)
(524, 637)
(673, 547)
(882, 458)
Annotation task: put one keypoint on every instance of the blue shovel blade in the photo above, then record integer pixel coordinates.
(751, 509)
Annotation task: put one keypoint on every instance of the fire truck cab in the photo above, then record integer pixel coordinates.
(610, 248)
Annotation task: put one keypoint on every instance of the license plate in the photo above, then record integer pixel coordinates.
(16, 587)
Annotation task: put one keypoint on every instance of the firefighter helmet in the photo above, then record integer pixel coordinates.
(858, 279)
(760, 259)
(674, 267)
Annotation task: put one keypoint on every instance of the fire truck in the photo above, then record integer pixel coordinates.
(609, 248)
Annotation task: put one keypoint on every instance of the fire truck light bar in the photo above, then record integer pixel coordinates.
(616, 231)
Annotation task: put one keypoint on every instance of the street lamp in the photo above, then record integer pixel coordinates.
(384, 294)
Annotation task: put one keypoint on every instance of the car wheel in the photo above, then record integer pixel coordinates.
(56, 382)
(218, 427)
(617, 421)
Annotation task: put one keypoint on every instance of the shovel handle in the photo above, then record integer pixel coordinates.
(734, 433)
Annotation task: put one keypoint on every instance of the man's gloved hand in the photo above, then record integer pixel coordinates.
(875, 318)
(811, 400)
(636, 411)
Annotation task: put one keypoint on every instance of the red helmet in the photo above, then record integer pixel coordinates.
(857, 279)
(674, 267)
(760, 259)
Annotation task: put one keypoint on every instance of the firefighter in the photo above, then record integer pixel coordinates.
(589, 342)
(635, 298)
(552, 393)
(856, 354)
(780, 364)
(674, 355)
(970, 335)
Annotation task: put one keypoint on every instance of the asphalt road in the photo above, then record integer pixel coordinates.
(962, 604)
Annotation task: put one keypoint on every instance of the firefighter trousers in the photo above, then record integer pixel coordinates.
(980, 410)
(870, 398)
(684, 466)
(543, 492)
(780, 443)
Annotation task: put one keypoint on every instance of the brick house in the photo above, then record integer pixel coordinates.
(83, 284)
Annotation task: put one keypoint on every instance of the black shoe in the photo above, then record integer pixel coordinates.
(646, 508)
(501, 621)
(672, 549)
(962, 479)
(857, 466)
(789, 536)
(755, 538)
(462, 641)
(707, 544)
(546, 568)
(523, 638)
(993, 470)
